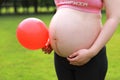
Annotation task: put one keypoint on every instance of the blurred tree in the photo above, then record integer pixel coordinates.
(47, 3)
(15, 6)
(35, 3)
(7, 4)
(1, 2)
(25, 4)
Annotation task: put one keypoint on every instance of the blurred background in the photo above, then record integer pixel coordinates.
(19, 63)
(26, 6)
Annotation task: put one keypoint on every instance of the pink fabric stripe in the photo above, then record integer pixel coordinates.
(93, 6)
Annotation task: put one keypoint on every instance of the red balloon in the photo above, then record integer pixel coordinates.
(32, 33)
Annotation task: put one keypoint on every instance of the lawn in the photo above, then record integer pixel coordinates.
(18, 63)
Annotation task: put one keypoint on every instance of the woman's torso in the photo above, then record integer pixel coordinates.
(71, 30)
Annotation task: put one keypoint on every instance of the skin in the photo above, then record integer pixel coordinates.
(65, 27)
(86, 45)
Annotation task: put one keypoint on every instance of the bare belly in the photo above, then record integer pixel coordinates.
(71, 30)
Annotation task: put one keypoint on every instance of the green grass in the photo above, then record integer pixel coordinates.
(113, 50)
(18, 63)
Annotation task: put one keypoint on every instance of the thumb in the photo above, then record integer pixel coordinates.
(48, 42)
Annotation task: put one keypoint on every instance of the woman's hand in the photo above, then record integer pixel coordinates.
(80, 57)
(47, 49)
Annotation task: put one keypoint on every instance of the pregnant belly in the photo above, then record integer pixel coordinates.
(71, 31)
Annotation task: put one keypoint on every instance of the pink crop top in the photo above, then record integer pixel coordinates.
(93, 6)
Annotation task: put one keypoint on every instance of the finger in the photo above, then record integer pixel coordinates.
(71, 60)
(43, 49)
(48, 51)
(73, 63)
(48, 42)
(76, 63)
(73, 55)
